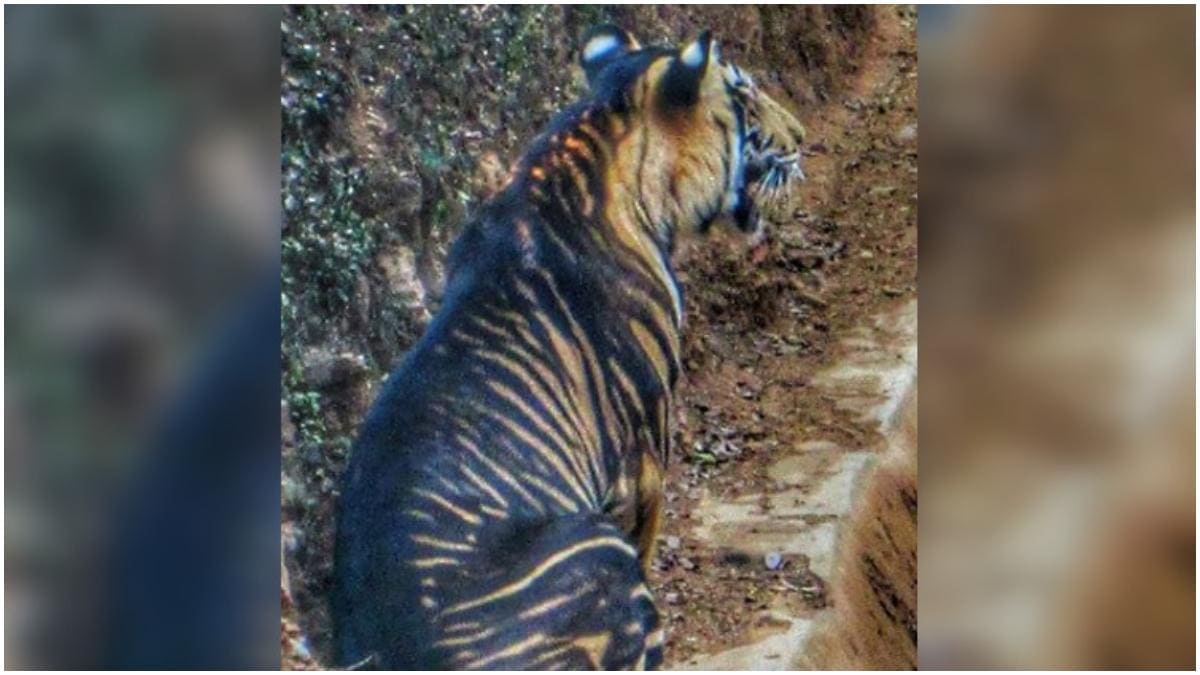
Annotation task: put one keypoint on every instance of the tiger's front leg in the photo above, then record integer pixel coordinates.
(651, 477)
(653, 449)
(635, 502)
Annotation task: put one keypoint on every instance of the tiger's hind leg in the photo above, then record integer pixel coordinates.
(564, 594)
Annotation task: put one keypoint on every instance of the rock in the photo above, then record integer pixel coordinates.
(907, 135)
(687, 564)
(399, 266)
(814, 591)
(292, 493)
(674, 543)
(672, 598)
(325, 370)
(301, 648)
(866, 255)
(773, 560)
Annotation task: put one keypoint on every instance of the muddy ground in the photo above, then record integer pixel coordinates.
(390, 137)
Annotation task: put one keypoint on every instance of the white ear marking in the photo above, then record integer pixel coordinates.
(599, 46)
(693, 56)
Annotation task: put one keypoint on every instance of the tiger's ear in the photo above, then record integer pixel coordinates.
(680, 86)
(604, 44)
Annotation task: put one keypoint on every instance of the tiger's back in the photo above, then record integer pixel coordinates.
(498, 464)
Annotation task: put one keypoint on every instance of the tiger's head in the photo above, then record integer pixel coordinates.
(700, 139)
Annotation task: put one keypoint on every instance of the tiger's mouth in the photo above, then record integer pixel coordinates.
(769, 175)
(768, 167)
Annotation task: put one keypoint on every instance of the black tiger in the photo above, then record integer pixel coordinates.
(504, 495)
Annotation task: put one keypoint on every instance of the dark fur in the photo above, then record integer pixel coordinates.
(373, 601)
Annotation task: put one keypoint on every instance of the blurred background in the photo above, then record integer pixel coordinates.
(1057, 333)
(142, 313)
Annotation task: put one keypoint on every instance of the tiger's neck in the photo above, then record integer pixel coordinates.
(591, 192)
(592, 256)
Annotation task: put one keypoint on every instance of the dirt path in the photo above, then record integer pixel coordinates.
(794, 369)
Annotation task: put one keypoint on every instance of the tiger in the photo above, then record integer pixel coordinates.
(503, 497)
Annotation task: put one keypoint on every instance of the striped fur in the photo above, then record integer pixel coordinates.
(504, 495)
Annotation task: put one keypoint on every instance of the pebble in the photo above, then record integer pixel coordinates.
(672, 598)
(673, 543)
(301, 648)
(773, 560)
(907, 134)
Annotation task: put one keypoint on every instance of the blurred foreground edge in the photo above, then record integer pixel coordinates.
(196, 580)
(1057, 349)
(142, 337)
